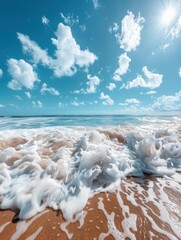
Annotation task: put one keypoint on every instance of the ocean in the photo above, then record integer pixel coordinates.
(27, 122)
(61, 162)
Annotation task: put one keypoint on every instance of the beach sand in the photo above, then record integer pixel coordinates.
(126, 213)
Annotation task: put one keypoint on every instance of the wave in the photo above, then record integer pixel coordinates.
(62, 167)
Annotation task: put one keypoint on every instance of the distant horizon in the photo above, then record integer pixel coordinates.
(116, 114)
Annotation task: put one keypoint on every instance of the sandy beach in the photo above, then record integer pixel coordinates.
(123, 214)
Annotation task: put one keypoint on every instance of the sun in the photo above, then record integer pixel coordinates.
(168, 15)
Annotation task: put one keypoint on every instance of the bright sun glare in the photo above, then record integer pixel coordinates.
(168, 15)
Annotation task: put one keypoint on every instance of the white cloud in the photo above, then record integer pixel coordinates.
(28, 94)
(107, 99)
(79, 91)
(175, 31)
(45, 20)
(83, 28)
(69, 56)
(68, 53)
(37, 104)
(22, 74)
(132, 101)
(134, 109)
(70, 19)
(60, 105)
(152, 80)
(77, 103)
(123, 104)
(168, 103)
(123, 62)
(18, 97)
(150, 92)
(96, 4)
(34, 50)
(114, 28)
(179, 72)
(2, 106)
(93, 82)
(1, 72)
(165, 46)
(111, 86)
(50, 90)
(131, 32)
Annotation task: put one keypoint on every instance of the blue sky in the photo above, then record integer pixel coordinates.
(90, 57)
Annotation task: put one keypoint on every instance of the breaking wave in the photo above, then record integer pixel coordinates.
(62, 167)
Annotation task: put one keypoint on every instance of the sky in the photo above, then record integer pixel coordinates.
(90, 57)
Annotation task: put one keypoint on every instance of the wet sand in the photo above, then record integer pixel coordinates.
(126, 213)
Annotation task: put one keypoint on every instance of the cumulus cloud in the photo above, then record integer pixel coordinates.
(68, 55)
(96, 4)
(111, 86)
(131, 32)
(123, 62)
(130, 102)
(28, 94)
(151, 80)
(92, 84)
(45, 20)
(45, 89)
(1, 72)
(2, 106)
(106, 99)
(37, 104)
(34, 50)
(22, 74)
(77, 103)
(70, 19)
(168, 103)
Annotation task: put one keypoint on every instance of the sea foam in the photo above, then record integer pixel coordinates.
(62, 167)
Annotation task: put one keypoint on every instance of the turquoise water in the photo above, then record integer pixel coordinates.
(24, 122)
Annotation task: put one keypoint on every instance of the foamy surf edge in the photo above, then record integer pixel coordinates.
(63, 167)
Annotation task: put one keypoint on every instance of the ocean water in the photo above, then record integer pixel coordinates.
(27, 122)
(62, 161)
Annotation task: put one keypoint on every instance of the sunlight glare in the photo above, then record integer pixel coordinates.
(168, 15)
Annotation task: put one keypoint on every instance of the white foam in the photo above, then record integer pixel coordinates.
(35, 234)
(2, 227)
(63, 167)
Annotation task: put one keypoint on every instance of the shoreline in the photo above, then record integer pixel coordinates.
(127, 213)
(65, 168)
